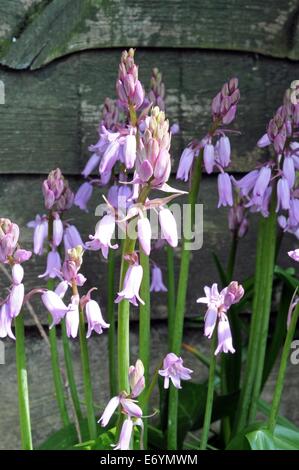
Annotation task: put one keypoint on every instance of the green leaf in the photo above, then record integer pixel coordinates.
(287, 275)
(260, 440)
(258, 437)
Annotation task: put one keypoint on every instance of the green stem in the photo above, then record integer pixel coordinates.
(111, 321)
(123, 330)
(149, 390)
(265, 256)
(265, 298)
(170, 292)
(177, 334)
(24, 410)
(58, 382)
(70, 373)
(86, 378)
(232, 257)
(144, 333)
(282, 370)
(210, 396)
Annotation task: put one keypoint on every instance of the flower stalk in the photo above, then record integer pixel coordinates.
(24, 410)
(210, 396)
(282, 370)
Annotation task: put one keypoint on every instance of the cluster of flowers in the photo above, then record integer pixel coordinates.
(58, 198)
(13, 255)
(218, 305)
(172, 369)
(257, 186)
(53, 300)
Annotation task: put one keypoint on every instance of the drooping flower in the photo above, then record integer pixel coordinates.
(94, 318)
(209, 157)
(185, 164)
(157, 284)
(55, 306)
(125, 435)
(225, 190)
(57, 230)
(225, 341)
(83, 196)
(71, 238)
(104, 231)
(131, 285)
(72, 317)
(168, 226)
(144, 234)
(136, 378)
(17, 273)
(53, 265)
(40, 226)
(294, 254)
(15, 299)
(5, 322)
(9, 236)
(218, 304)
(174, 370)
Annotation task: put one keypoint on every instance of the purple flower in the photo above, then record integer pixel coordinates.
(246, 184)
(224, 151)
(289, 171)
(174, 370)
(72, 317)
(131, 285)
(94, 318)
(283, 194)
(225, 190)
(17, 272)
(83, 196)
(185, 164)
(109, 410)
(157, 284)
(5, 322)
(218, 304)
(53, 265)
(9, 235)
(168, 225)
(209, 157)
(111, 155)
(174, 128)
(20, 255)
(57, 231)
(92, 163)
(129, 151)
(214, 301)
(136, 379)
(72, 238)
(15, 300)
(40, 225)
(55, 306)
(225, 343)
(264, 141)
(294, 254)
(144, 234)
(125, 435)
(261, 185)
(104, 231)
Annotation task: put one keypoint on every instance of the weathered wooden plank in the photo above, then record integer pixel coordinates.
(50, 29)
(44, 413)
(20, 200)
(51, 116)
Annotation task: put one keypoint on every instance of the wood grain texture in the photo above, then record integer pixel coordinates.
(49, 29)
(20, 200)
(50, 116)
